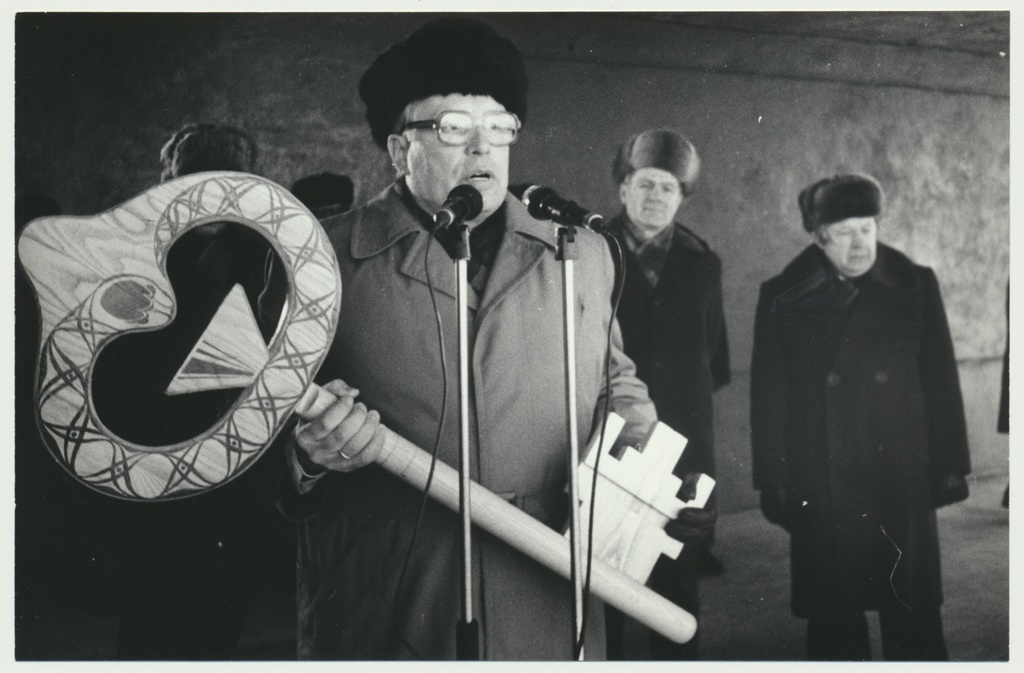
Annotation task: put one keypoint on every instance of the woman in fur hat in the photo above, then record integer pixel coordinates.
(858, 430)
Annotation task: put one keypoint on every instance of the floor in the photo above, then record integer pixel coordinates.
(746, 616)
(746, 613)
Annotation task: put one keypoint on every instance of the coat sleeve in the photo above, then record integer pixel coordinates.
(629, 397)
(718, 341)
(768, 398)
(296, 500)
(947, 426)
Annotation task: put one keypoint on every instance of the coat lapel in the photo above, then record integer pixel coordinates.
(523, 246)
(684, 267)
(424, 256)
(386, 223)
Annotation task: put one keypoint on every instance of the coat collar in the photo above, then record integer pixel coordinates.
(384, 222)
(682, 237)
(892, 268)
(387, 220)
(814, 287)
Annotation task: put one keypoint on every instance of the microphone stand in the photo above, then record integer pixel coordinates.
(467, 631)
(567, 254)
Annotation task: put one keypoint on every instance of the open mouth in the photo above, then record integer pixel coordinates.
(481, 176)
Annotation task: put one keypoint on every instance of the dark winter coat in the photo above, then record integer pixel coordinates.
(856, 413)
(353, 548)
(675, 334)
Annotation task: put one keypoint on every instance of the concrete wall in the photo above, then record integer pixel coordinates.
(98, 95)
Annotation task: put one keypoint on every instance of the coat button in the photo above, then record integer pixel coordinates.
(881, 448)
(881, 376)
(832, 379)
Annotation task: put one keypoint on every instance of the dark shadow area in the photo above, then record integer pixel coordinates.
(745, 613)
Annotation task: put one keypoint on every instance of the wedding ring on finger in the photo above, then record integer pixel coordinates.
(344, 455)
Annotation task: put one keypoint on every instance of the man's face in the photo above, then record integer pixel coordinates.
(651, 197)
(432, 168)
(850, 244)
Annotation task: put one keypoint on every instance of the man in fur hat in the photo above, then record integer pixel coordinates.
(192, 567)
(673, 328)
(375, 580)
(858, 430)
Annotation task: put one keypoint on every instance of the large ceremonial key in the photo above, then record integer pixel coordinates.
(97, 278)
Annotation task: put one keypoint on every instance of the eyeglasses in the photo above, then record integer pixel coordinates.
(455, 127)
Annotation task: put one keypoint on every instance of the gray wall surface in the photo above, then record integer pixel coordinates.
(769, 111)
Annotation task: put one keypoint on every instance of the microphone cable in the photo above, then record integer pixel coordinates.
(619, 262)
(619, 258)
(433, 453)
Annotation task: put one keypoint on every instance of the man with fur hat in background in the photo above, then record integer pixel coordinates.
(194, 566)
(376, 581)
(857, 428)
(673, 328)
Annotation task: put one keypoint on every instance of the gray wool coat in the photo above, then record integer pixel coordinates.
(356, 529)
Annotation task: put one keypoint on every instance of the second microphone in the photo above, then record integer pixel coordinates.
(543, 203)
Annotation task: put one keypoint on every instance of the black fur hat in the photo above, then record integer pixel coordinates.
(839, 197)
(455, 54)
(659, 148)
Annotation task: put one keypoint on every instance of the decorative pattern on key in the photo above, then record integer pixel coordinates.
(123, 302)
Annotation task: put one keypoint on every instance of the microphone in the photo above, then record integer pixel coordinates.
(464, 202)
(543, 203)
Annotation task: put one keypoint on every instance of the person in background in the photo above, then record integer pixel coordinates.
(199, 147)
(195, 566)
(224, 254)
(325, 194)
(673, 328)
(857, 428)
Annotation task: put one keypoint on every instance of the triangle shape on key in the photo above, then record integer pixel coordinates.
(229, 354)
